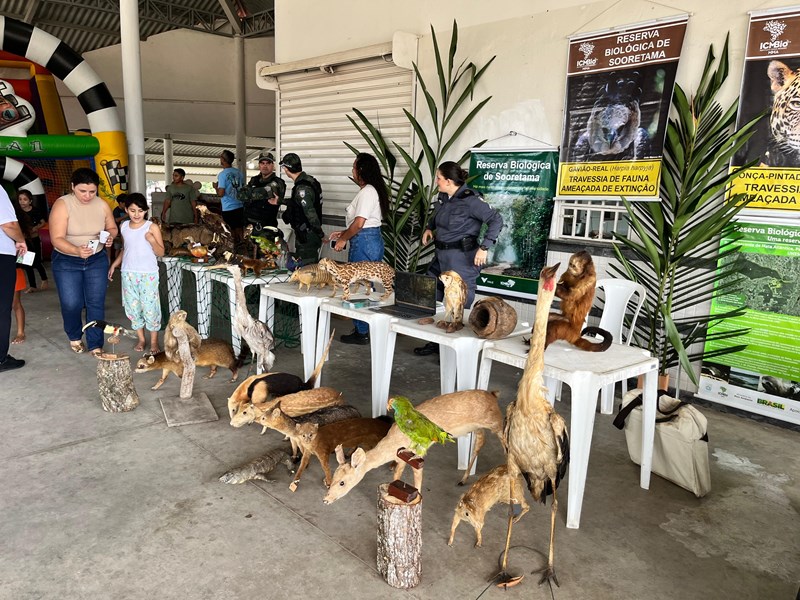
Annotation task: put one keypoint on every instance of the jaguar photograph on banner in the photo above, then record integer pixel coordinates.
(521, 185)
(619, 90)
(771, 83)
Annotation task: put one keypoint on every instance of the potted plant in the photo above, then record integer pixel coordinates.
(675, 255)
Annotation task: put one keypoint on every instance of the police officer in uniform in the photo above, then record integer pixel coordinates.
(263, 212)
(459, 214)
(303, 210)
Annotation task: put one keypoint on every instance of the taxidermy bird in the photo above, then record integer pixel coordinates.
(536, 436)
(213, 222)
(114, 331)
(455, 296)
(256, 333)
(613, 130)
(422, 432)
(268, 240)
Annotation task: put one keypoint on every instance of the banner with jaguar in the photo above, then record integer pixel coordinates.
(520, 184)
(771, 83)
(619, 89)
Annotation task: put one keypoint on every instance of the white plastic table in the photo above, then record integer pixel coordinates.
(378, 334)
(224, 276)
(586, 373)
(458, 361)
(174, 280)
(308, 302)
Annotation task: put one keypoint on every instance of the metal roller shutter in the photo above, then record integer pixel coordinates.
(312, 121)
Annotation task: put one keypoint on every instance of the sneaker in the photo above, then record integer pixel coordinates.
(11, 363)
(429, 348)
(362, 339)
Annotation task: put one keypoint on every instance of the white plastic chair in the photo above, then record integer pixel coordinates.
(620, 297)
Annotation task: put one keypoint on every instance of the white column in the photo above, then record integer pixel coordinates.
(241, 106)
(168, 164)
(132, 87)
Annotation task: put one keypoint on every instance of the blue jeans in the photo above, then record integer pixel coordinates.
(82, 284)
(366, 245)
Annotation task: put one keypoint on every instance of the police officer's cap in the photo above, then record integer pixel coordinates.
(267, 156)
(292, 162)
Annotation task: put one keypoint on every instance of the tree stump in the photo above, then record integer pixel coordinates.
(115, 382)
(185, 352)
(399, 539)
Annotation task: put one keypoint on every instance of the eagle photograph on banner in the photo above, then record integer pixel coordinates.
(619, 90)
(771, 83)
(520, 184)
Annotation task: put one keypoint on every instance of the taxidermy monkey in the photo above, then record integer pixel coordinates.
(576, 291)
(178, 319)
(613, 129)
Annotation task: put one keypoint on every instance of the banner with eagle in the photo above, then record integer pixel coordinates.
(619, 89)
(771, 84)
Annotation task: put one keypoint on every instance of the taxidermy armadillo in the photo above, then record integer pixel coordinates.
(307, 275)
(258, 468)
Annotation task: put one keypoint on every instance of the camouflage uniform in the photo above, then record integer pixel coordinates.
(304, 214)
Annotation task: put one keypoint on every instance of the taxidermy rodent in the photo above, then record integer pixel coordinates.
(212, 353)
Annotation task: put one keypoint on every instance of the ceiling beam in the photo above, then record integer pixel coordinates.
(231, 12)
(30, 11)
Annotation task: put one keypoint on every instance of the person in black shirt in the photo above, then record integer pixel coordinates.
(263, 212)
(36, 221)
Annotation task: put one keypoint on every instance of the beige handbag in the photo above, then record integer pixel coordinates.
(680, 445)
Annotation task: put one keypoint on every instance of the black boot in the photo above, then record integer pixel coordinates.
(429, 348)
(362, 339)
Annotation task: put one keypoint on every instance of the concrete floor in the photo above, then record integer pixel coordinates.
(99, 505)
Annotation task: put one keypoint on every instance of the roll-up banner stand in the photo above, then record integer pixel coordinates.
(520, 183)
(619, 90)
(771, 82)
(764, 378)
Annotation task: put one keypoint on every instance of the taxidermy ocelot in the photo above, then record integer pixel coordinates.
(536, 436)
(458, 413)
(422, 432)
(576, 291)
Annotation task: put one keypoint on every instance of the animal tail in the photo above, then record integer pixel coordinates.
(239, 360)
(590, 346)
(318, 369)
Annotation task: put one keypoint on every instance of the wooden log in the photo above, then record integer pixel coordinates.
(399, 539)
(185, 353)
(492, 318)
(115, 382)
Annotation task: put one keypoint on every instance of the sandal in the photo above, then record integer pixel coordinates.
(96, 352)
(77, 347)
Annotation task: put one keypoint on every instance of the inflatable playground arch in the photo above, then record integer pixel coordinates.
(38, 57)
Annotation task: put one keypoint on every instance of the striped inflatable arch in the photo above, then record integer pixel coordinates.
(23, 178)
(95, 99)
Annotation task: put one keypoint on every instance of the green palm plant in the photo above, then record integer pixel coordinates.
(411, 194)
(679, 237)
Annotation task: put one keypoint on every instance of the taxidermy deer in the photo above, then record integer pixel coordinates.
(459, 413)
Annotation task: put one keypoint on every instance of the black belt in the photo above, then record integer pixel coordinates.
(464, 244)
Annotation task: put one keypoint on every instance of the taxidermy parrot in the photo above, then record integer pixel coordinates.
(422, 432)
(268, 240)
(110, 328)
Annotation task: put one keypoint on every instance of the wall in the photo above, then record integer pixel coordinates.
(187, 85)
(529, 38)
